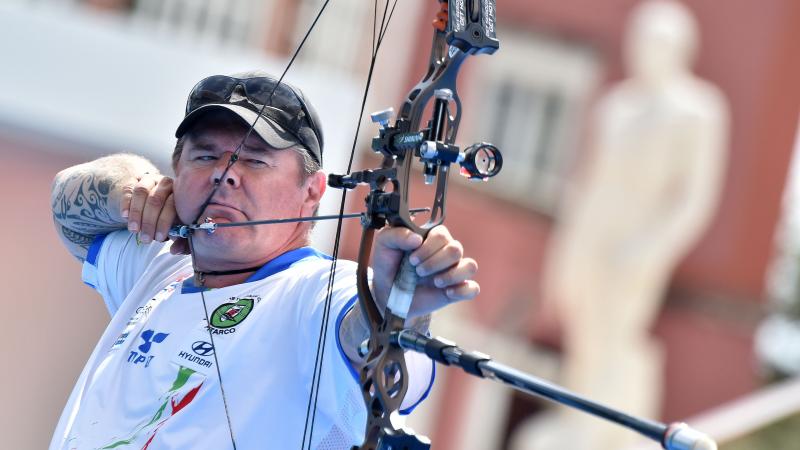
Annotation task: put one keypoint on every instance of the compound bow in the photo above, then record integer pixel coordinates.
(462, 28)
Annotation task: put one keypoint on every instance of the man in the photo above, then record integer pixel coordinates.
(241, 315)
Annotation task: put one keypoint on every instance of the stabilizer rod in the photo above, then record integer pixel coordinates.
(675, 436)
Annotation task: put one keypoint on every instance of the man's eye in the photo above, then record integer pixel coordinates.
(255, 162)
(206, 158)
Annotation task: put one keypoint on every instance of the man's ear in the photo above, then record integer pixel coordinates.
(314, 186)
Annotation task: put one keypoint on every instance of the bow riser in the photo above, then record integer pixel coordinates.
(384, 375)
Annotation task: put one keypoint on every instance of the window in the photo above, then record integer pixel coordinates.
(529, 99)
(338, 41)
(228, 22)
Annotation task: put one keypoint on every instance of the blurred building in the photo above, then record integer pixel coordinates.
(85, 78)
(554, 54)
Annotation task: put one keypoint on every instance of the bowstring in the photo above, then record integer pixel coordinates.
(233, 159)
(213, 345)
(322, 339)
(235, 156)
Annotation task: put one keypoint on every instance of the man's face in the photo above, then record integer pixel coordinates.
(263, 184)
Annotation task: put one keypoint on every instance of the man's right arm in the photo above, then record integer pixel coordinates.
(88, 199)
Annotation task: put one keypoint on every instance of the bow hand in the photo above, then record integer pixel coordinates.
(444, 275)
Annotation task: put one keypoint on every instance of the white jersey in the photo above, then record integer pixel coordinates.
(152, 382)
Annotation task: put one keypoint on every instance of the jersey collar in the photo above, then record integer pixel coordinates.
(272, 267)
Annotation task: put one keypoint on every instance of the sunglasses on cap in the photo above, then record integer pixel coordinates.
(277, 102)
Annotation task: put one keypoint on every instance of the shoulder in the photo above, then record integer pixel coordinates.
(318, 268)
(313, 279)
(701, 100)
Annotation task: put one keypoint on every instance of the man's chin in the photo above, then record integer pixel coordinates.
(222, 239)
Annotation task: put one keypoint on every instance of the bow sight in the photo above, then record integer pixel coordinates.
(463, 28)
(479, 161)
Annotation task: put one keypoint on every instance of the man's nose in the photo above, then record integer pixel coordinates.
(220, 175)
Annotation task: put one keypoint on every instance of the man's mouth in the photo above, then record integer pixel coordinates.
(222, 212)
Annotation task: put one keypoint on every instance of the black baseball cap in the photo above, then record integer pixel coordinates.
(285, 117)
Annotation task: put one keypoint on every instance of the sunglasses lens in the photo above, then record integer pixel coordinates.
(210, 90)
(258, 90)
(284, 105)
(263, 91)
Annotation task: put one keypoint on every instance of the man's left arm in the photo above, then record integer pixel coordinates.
(445, 277)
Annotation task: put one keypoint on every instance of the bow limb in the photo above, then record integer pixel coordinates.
(384, 375)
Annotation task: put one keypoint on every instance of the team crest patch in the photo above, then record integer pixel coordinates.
(233, 313)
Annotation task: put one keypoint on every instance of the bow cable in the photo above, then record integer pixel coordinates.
(322, 339)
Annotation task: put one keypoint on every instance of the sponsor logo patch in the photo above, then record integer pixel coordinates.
(196, 352)
(149, 337)
(233, 313)
(203, 348)
(201, 362)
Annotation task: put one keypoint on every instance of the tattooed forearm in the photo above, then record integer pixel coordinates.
(81, 240)
(86, 199)
(81, 204)
(84, 240)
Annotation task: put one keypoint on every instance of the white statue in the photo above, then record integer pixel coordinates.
(647, 195)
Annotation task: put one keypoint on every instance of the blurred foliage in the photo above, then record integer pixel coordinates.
(781, 435)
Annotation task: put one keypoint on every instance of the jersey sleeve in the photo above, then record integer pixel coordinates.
(421, 369)
(114, 262)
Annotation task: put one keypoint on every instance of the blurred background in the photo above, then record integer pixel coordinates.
(84, 78)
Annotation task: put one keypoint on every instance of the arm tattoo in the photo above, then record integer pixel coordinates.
(80, 207)
(81, 240)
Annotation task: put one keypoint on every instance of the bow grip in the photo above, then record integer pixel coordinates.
(402, 293)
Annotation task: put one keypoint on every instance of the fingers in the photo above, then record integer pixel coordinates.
(390, 243)
(439, 256)
(441, 263)
(463, 271)
(426, 302)
(150, 207)
(466, 290)
(438, 253)
(446, 276)
(166, 219)
(437, 238)
(138, 194)
(399, 238)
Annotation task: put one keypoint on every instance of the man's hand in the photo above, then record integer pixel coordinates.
(149, 206)
(445, 277)
(445, 274)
